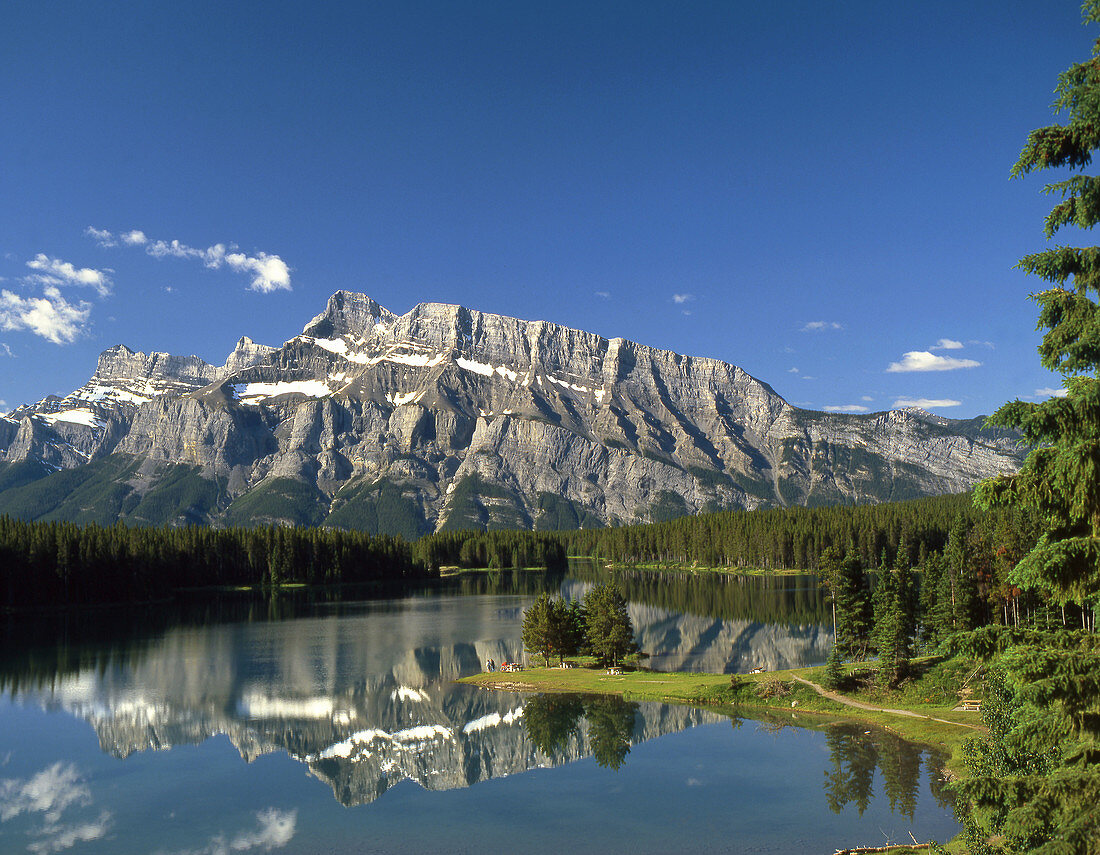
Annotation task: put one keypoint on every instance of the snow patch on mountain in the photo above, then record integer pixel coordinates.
(76, 417)
(253, 393)
(400, 398)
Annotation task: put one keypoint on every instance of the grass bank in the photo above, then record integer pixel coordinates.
(694, 567)
(921, 710)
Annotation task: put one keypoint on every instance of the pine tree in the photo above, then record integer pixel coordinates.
(887, 621)
(609, 631)
(895, 616)
(834, 670)
(881, 599)
(1055, 680)
(963, 581)
(538, 632)
(853, 599)
(828, 570)
(932, 594)
(908, 601)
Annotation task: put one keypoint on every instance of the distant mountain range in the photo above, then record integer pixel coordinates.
(446, 417)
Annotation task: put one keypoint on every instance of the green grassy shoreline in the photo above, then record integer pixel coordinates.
(680, 567)
(648, 567)
(718, 692)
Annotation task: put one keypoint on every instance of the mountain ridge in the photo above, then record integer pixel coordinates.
(449, 417)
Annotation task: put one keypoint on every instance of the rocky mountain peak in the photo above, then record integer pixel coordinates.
(121, 363)
(348, 313)
(246, 354)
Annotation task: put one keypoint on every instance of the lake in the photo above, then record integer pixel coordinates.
(307, 725)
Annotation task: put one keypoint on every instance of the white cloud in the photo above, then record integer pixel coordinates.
(49, 792)
(866, 398)
(845, 408)
(212, 256)
(54, 271)
(926, 403)
(7, 350)
(276, 828)
(1051, 393)
(818, 326)
(269, 272)
(947, 344)
(604, 295)
(50, 316)
(682, 298)
(101, 236)
(55, 838)
(792, 370)
(922, 360)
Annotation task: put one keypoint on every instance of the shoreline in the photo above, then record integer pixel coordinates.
(797, 690)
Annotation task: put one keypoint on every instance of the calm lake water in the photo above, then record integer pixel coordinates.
(307, 726)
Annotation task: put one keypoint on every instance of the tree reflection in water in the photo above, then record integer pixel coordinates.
(553, 726)
(856, 753)
(552, 721)
(610, 728)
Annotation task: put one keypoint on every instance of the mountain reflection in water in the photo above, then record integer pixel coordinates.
(361, 694)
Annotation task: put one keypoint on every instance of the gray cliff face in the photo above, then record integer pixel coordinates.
(64, 433)
(446, 416)
(246, 354)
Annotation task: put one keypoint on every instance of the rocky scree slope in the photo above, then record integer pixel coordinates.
(446, 417)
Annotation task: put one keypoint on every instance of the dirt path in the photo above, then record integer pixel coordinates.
(841, 699)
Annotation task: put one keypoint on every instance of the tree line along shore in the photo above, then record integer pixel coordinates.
(61, 563)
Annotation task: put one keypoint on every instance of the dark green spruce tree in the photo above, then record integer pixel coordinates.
(853, 608)
(962, 581)
(895, 617)
(932, 572)
(552, 627)
(538, 630)
(908, 602)
(1051, 807)
(828, 570)
(609, 632)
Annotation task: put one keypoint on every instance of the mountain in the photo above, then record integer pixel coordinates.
(446, 417)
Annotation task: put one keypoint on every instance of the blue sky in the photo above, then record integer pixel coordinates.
(808, 190)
